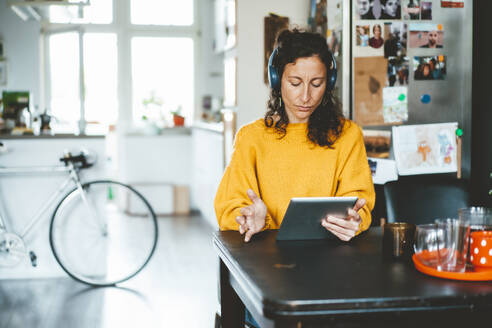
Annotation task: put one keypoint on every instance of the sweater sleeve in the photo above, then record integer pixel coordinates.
(355, 177)
(239, 176)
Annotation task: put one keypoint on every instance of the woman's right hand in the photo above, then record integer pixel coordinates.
(252, 218)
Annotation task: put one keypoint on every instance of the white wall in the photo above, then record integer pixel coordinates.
(21, 49)
(252, 91)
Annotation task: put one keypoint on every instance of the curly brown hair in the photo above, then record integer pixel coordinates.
(326, 123)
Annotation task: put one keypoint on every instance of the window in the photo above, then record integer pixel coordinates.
(141, 63)
(100, 75)
(100, 79)
(162, 12)
(99, 12)
(162, 74)
(65, 80)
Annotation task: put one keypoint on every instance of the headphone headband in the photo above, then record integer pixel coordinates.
(274, 77)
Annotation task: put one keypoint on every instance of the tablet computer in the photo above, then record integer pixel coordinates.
(302, 220)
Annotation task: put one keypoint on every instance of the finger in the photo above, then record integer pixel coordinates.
(241, 219)
(359, 204)
(340, 236)
(353, 215)
(242, 224)
(251, 194)
(333, 227)
(250, 224)
(247, 211)
(343, 223)
(242, 229)
(248, 236)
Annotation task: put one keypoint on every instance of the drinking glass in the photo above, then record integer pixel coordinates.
(425, 246)
(452, 244)
(398, 240)
(480, 219)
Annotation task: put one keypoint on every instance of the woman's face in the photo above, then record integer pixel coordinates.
(391, 7)
(377, 31)
(303, 86)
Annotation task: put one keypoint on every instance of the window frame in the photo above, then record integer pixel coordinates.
(124, 30)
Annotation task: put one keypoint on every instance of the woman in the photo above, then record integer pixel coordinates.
(303, 147)
(376, 41)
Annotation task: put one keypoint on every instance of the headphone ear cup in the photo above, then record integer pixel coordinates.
(273, 75)
(332, 80)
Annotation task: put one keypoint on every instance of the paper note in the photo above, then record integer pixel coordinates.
(426, 148)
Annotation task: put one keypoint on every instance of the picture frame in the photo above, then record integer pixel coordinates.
(273, 24)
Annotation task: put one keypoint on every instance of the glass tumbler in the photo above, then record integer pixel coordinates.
(425, 245)
(480, 219)
(398, 240)
(452, 244)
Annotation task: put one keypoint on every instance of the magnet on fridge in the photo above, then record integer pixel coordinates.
(401, 97)
(425, 99)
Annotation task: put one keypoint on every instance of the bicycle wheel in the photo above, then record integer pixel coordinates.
(104, 235)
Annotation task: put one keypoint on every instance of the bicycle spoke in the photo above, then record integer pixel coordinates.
(96, 258)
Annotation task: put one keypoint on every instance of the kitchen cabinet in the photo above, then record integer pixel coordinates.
(158, 166)
(208, 168)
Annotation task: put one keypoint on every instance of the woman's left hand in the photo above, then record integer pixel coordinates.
(346, 228)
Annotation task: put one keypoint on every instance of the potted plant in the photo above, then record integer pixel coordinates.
(152, 117)
(177, 117)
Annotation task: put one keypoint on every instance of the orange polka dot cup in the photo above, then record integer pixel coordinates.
(481, 250)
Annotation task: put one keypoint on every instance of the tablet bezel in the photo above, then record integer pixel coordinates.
(302, 220)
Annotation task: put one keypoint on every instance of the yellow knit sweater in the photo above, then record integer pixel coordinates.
(279, 169)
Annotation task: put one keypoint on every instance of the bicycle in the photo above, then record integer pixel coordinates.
(93, 236)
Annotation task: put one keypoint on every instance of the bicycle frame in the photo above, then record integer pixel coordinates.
(42, 210)
(83, 196)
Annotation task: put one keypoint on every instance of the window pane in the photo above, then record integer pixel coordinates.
(64, 73)
(162, 12)
(100, 73)
(162, 77)
(98, 12)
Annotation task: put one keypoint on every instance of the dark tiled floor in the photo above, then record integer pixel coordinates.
(178, 288)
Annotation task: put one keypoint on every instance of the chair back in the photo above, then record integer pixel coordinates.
(421, 199)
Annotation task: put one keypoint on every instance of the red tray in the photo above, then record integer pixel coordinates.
(468, 275)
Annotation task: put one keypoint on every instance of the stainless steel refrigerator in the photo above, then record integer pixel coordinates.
(404, 62)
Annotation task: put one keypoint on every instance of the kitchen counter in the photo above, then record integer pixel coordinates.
(49, 136)
(212, 127)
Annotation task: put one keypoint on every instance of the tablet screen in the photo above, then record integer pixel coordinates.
(302, 220)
